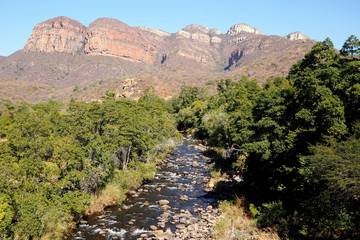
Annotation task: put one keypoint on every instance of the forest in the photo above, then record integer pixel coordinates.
(55, 157)
(294, 141)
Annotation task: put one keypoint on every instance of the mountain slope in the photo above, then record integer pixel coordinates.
(64, 59)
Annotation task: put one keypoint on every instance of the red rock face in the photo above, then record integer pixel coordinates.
(59, 34)
(112, 37)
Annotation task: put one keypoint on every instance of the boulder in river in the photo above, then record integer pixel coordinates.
(195, 164)
(163, 202)
(180, 226)
(184, 198)
(165, 207)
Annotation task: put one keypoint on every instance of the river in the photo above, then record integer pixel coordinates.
(174, 200)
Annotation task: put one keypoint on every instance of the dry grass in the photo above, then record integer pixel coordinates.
(109, 196)
(235, 225)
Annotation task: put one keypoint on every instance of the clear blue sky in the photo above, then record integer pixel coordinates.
(317, 19)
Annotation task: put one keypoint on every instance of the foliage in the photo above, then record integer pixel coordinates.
(53, 157)
(296, 141)
(351, 45)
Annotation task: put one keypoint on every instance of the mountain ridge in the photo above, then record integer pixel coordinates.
(62, 55)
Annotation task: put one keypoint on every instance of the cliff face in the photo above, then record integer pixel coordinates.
(59, 34)
(197, 44)
(297, 36)
(104, 36)
(112, 37)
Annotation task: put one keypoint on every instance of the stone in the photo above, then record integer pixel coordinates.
(184, 198)
(195, 164)
(157, 232)
(153, 227)
(163, 202)
(165, 207)
(187, 222)
(180, 226)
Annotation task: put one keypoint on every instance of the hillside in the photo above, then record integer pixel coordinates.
(63, 59)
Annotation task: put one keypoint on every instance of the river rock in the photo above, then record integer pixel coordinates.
(153, 227)
(157, 232)
(180, 226)
(195, 164)
(187, 223)
(165, 207)
(184, 198)
(163, 202)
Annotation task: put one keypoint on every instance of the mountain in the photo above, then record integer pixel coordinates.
(63, 59)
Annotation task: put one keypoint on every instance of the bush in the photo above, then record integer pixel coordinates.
(272, 214)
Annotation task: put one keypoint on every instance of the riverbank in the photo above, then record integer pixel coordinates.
(234, 222)
(174, 203)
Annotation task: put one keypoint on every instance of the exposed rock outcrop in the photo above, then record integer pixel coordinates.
(155, 31)
(296, 36)
(107, 36)
(197, 28)
(60, 34)
(239, 28)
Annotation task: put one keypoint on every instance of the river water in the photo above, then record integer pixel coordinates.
(180, 180)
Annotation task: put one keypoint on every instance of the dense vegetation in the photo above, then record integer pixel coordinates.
(53, 157)
(295, 141)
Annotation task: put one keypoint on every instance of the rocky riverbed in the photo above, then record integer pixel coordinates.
(172, 206)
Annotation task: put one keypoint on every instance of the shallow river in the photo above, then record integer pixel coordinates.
(178, 180)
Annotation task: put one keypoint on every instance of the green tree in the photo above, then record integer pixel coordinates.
(351, 46)
(332, 201)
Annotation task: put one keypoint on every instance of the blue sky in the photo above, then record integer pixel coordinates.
(317, 19)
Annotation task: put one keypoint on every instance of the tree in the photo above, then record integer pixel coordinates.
(332, 201)
(351, 46)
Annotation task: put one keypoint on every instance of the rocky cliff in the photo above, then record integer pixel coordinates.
(296, 36)
(59, 34)
(112, 37)
(240, 28)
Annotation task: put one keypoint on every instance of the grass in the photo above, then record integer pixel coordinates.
(122, 182)
(235, 224)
